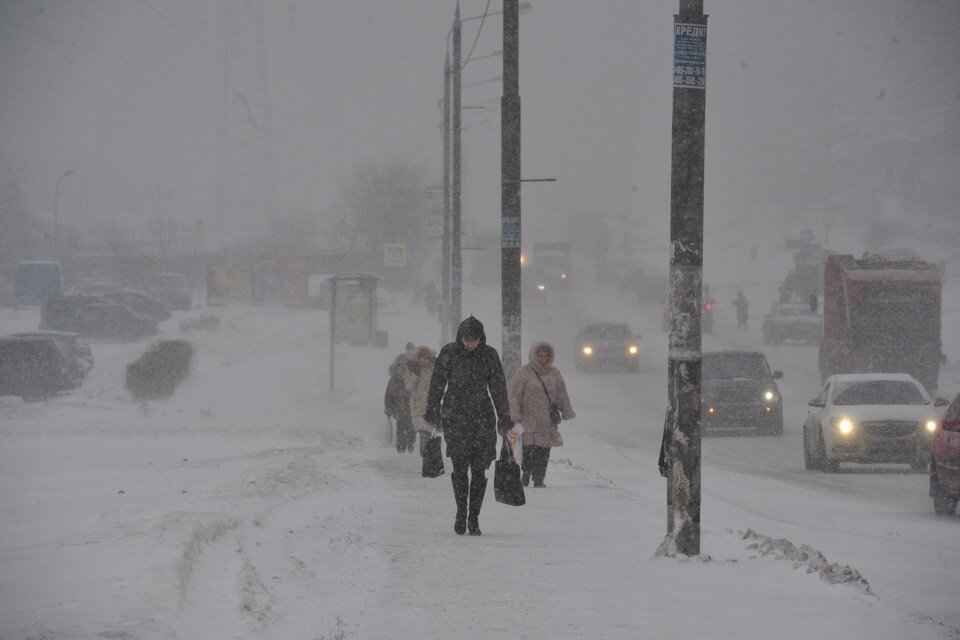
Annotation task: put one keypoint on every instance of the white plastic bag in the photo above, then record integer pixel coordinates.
(518, 444)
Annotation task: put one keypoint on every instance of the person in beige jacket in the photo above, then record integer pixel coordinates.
(530, 406)
(417, 381)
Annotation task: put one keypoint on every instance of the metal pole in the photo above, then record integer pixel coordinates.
(686, 273)
(510, 190)
(445, 275)
(456, 257)
(333, 324)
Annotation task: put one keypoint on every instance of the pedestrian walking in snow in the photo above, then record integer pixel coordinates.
(396, 404)
(468, 400)
(418, 385)
(743, 310)
(539, 401)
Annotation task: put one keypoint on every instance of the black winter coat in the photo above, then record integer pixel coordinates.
(468, 392)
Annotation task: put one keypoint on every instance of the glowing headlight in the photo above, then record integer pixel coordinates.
(845, 425)
(711, 410)
(541, 287)
(563, 276)
(633, 349)
(769, 395)
(931, 426)
(588, 350)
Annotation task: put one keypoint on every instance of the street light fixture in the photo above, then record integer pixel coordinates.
(56, 212)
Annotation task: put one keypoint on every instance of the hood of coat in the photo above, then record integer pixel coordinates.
(471, 327)
(536, 346)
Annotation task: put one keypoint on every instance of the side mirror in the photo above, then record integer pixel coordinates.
(816, 403)
(777, 375)
(940, 402)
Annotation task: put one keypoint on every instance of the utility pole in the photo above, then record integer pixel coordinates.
(510, 190)
(445, 276)
(686, 276)
(456, 256)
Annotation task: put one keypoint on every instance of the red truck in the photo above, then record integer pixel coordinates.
(881, 316)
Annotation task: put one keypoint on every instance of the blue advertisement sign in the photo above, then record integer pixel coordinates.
(690, 56)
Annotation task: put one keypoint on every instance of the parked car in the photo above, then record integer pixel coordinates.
(172, 290)
(113, 321)
(740, 393)
(945, 462)
(791, 322)
(95, 288)
(868, 418)
(144, 305)
(608, 344)
(77, 353)
(59, 313)
(32, 368)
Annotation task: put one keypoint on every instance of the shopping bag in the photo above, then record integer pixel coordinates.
(432, 459)
(506, 479)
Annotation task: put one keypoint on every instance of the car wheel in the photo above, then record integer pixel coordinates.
(826, 464)
(944, 504)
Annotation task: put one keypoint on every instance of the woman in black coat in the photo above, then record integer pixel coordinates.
(468, 400)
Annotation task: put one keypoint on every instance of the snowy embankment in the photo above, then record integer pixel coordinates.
(254, 503)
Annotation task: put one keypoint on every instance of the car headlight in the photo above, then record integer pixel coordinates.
(633, 349)
(563, 276)
(931, 426)
(588, 350)
(541, 287)
(769, 395)
(845, 426)
(711, 410)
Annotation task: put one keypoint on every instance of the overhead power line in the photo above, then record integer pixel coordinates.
(479, 30)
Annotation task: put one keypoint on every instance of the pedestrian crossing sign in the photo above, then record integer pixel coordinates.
(395, 254)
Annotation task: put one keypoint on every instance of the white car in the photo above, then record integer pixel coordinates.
(870, 417)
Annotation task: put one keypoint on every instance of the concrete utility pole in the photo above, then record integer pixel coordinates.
(56, 213)
(456, 256)
(686, 275)
(445, 276)
(510, 190)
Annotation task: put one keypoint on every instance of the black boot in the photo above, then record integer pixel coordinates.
(525, 479)
(478, 487)
(460, 489)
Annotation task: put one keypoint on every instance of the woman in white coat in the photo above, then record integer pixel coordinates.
(532, 390)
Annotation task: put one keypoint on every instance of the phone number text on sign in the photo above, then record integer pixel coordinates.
(690, 56)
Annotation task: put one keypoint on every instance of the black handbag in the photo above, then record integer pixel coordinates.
(555, 415)
(507, 487)
(432, 459)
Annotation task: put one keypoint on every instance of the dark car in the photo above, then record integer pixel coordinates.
(77, 353)
(113, 321)
(32, 368)
(791, 322)
(608, 344)
(740, 393)
(59, 313)
(139, 303)
(172, 290)
(945, 462)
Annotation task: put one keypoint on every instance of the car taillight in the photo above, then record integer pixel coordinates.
(708, 307)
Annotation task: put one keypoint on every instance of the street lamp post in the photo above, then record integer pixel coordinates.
(510, 190)
(56, 212)
(445, 276)
(456, 255)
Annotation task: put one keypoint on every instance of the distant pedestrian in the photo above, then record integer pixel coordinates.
(468, 399)
(418, 384)
(396, 404)
(743, 310)
(539, 401)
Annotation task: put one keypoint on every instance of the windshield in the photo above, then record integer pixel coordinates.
(735, 365)
(607, 332)
(877, 392)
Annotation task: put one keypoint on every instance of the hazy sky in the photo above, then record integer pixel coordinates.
(127, 92)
